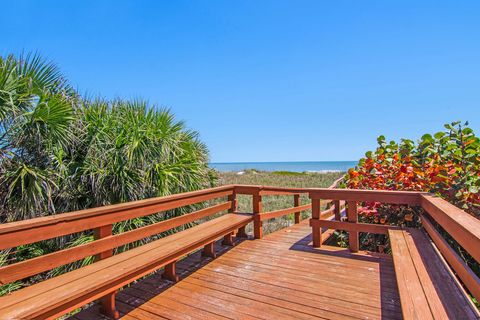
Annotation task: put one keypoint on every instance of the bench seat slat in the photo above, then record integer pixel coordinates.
(80, 286)
(413, 300)
(444, 296)
(427, 287)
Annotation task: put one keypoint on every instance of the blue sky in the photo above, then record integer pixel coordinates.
(269, 80)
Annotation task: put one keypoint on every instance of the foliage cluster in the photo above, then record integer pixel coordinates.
(62, 152)
(446, 164)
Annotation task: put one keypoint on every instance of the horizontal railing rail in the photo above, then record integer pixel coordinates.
(37, 229)
(461, 226)
(101, 220)
(384, 196)
(257, 192)
(283, 212)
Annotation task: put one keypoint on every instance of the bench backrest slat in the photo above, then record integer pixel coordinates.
(463, 227)
(46, 262)
(384, 196)
(33, 230)
(466, 275)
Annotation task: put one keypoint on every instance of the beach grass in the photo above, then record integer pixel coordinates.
(277, 179)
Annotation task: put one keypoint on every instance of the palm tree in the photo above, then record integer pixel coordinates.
(36, 110)
(60, 152)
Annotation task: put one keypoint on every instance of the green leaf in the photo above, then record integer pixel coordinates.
(427, 138)
(439, 135)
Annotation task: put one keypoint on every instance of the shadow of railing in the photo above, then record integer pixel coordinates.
(145, 289)
(390, 299)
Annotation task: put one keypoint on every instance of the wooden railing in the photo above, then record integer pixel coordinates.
(258, 192)
(351, 198)
(461, 226)
(100, 220)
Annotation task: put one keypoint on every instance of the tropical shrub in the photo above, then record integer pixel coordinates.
(60, 152)
(446, 163)
(36, 111)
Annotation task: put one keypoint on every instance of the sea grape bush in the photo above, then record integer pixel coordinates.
(446, 163)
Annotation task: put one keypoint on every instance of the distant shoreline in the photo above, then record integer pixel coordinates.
(299, 166)
(281, 173)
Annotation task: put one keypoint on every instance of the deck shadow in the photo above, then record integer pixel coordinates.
(144, 291)
(141, 291)
(389, 300)
(304, 245)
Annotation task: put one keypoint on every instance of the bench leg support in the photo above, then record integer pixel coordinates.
(242, 233)
(228, 239)
(170, 272)
(107, 306)
(209, 250)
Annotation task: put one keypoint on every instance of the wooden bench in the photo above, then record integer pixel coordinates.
(428, 289)
(69, 291)
(100, 280)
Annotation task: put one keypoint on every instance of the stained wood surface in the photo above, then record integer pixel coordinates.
(356, 227)
(282, 212)
(463, 227)
(49, 261)
(278, 277)
(66, 292)
(385, 196)
(256, 279)
(426, 286)
(32, 230)
(462, 270)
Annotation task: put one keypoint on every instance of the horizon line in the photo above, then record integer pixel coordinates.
(309, 161)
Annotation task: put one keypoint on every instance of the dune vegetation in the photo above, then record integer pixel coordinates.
(278, 179)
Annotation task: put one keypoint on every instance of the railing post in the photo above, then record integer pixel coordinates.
(257, 209)
(336, 210)
(233, 199)
(241, 233)
(296, 203)
(316, 229)
(352, 215)
(107, 302)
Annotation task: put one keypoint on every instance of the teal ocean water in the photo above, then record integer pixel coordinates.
(307, 166)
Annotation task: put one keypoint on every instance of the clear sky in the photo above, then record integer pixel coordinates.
(269, 80)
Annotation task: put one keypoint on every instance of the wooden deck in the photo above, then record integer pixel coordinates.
(290, 274)
(280, 276)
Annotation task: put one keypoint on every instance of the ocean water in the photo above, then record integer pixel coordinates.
(307, 166)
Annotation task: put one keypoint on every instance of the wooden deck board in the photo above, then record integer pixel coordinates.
(278, 277)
